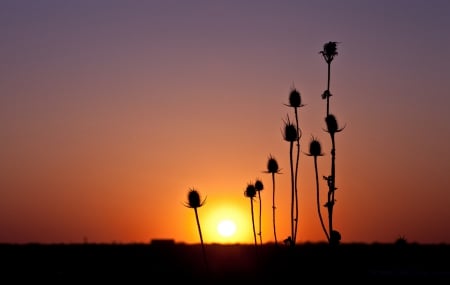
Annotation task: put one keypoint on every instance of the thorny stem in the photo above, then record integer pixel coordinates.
(318, 199)
(328, 87)
(331, 185)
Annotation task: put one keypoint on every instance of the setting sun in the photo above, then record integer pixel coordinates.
(226, 228)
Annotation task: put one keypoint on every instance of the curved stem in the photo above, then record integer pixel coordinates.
(318, 200)
(296, 176)
(201, 239)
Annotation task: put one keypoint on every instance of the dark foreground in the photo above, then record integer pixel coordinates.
(226, 264)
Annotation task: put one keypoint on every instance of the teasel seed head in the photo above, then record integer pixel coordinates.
(272, 165)
(259, 186)
(315, 149)
(329, 51)
(295, 99)
(290, 133)
(194, 199)
(332, 125)
(250, 191)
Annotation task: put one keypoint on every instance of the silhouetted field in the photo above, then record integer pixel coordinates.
(169, 263)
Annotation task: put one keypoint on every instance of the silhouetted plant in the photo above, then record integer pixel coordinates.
(272, 168)
(295, 101)
(259, 186)
(195, 202)
(291, 135)
(401, 241)
(329, 52)
(315, 150)
(250, 192)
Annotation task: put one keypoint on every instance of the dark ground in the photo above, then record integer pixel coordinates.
(227, 264)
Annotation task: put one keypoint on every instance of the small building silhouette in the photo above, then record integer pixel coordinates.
(162, 242)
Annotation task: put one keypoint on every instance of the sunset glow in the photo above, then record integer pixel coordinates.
(110, 111)
(226, 228)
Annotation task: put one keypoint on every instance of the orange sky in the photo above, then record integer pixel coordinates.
(110, 113)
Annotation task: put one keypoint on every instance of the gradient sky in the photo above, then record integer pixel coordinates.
(110, 111)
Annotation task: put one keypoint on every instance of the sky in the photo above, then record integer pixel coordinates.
(111, 111)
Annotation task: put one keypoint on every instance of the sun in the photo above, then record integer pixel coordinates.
(226, 228)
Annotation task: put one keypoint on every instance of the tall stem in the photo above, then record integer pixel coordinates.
(253, 221)
(328, 87)
(201, 239)
(318, 200)
(332, 186)
(296, 176)
(260, 217)
(273, 208)
(292, 192)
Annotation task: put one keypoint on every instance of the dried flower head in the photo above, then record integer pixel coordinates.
(315, 149)
(250, 191)
(194, 199)
(272, 165)
(259, 185)
(329, 51)
(332, 125)
(295, 99)
(290, 133)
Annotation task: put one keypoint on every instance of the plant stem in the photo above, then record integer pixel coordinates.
(260, 217)
(292, 192)
(296, 176)
(318, 200)
(273, 208)
(253, 221)
(328, 87)
(201, 240)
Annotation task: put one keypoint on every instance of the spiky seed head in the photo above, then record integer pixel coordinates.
(295, 99)
(332, 125)
(315, 149)
(329, 51)
(194, 199)
(250, 191)
(330, 48)
(272, 165)
(259, 185)
(290, 133)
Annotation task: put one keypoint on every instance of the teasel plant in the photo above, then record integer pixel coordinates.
(291, 134)
(195, 202)
(332, 129)
(250, 192)
(273, 168)
(329, 52)
(295, 102)
(259, 186)
(315, 151)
